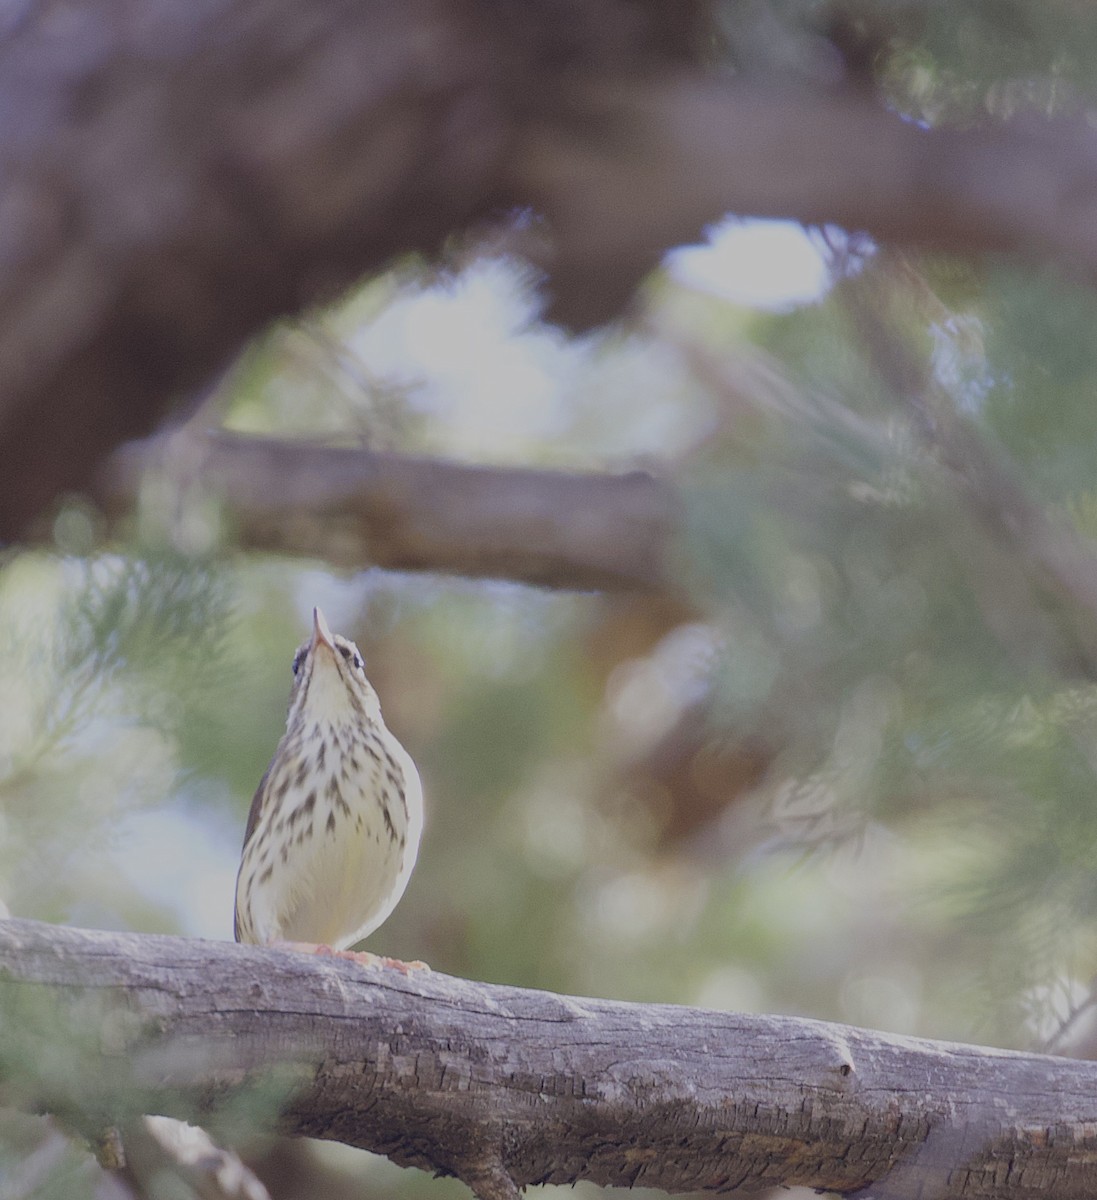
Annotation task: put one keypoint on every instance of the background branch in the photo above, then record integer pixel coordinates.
(288, 153)
(154, 220)
(505, 1087)
(358, 507)
(650, 164)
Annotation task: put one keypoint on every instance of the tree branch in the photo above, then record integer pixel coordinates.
(505, 1087)
(154, 1146)
(358, 507)
(645, 166)
(154, 220)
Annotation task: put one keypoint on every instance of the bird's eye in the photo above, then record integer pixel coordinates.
(353, 657)
(298, 659)
(351, 654)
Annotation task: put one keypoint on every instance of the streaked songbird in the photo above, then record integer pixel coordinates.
(334, 828)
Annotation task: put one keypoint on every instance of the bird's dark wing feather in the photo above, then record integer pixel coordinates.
(249, 829)
(256, 808)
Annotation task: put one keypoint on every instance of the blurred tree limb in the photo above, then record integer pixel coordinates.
(356, 507)
(154, 220)
(504, 1087)
(671, 155)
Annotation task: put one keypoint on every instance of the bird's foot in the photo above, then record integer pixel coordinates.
(365, 959)
(362, 957)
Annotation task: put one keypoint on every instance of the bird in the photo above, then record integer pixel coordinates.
(334, 828)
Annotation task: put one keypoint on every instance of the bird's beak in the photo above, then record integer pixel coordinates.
(321, 634)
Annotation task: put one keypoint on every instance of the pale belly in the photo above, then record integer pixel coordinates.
(340, 871)
(340, 893)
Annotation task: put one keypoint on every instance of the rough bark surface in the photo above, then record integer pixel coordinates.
(505, 1087)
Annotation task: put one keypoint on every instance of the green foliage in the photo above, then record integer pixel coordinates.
(899, 649)
(104, 661)
(1041, 345)
(941, 62)
(49, 1055)
(1003, 56)
(81, 1057)
(36, 1157)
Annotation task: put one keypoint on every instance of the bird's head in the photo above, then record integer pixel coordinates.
(330, 685)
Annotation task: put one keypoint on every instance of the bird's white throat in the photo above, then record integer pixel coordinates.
(327, 701)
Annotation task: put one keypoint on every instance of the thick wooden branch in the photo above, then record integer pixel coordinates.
(505, 1087)
(358, 507)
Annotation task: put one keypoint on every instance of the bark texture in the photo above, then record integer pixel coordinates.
(505, 1087)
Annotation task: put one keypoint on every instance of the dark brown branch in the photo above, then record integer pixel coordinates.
(155, 219)
(505, 1087)
(156, 216)
(646, 166)
(172, 178)
(357, 507)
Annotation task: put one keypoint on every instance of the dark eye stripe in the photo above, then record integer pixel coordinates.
(298, 659)
(352, 656)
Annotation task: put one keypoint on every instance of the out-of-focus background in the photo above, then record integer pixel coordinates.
(842, 764)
